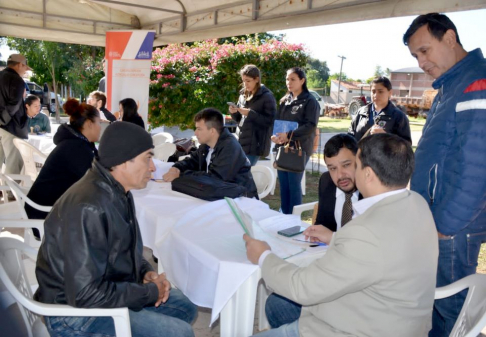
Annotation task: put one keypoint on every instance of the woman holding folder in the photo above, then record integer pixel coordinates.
(298, 105)
(254, 113)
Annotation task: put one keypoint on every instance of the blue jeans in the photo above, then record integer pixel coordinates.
(281, 310)
(290, 190)
(170, 319)
(253, 159)
(458, 258)
(287, 330)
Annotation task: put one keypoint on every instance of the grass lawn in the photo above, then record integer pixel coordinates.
(336, 125)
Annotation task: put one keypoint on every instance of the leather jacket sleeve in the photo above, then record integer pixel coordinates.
(192, 162)
(86, 257)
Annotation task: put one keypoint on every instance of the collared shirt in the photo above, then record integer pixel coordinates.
(373, 114)
(362, 206)
(338, 209)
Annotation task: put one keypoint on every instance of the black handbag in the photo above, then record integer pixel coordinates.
(290, 159)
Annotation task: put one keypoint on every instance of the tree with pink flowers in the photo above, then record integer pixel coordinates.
(186, 79)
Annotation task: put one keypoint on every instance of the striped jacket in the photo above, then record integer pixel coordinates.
(450, 171)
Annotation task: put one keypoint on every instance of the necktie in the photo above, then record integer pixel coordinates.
(347, 214)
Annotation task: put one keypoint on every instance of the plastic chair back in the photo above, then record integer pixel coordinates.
(13, 278)
(32, 157)
(472, 318)
(162, 137)
(264, 180)
(164, 151)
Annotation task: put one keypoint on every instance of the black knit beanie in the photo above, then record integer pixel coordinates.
(121, 142)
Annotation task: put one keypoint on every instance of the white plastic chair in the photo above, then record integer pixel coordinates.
(164, 151)
(13, 278)
(13, 209)
(162, 137)
(32, 157)
(264, 180)
(472, 318)
(21, 197)
(299, 209)
(18, 215)
(27, 225)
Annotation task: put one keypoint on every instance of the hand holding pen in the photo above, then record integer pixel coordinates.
(318, 233)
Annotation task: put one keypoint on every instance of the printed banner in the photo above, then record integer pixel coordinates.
(128, 58)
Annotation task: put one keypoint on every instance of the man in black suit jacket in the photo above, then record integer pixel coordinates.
(340, 157)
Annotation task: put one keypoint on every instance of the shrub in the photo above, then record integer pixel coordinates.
(188, 78)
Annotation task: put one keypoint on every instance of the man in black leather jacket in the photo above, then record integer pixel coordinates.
(91, 256)
(220, 155)
(13, 118)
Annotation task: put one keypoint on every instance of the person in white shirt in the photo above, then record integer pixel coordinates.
(377, 277)
(335, 186)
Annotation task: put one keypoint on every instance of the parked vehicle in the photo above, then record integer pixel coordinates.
(47, 98)
(416, 106)
(321, 102)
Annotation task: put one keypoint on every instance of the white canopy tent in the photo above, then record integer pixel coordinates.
(86, 21)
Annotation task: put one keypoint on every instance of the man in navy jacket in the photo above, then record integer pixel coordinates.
(451, 157)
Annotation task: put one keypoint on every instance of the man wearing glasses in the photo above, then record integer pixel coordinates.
(451, 157)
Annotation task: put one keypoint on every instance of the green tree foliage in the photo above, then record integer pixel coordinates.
(314, 80)
(379, 72)
(57, 64)
(186, 79)
(317, 73)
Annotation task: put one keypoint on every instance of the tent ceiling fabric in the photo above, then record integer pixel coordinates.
(174, 21)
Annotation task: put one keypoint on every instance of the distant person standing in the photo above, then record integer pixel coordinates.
(255, 114)
(450, 159)
(13, 118)
(381, 115)
(38, 122)
(298, 105)
(102, 83)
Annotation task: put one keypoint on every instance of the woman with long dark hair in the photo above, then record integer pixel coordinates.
(70, 159)
(255, 113)
(129, 112)
(300, 106)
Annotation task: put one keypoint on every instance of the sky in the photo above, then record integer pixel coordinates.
(367, 44)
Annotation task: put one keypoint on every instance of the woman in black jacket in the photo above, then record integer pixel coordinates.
(255, 114)
(128, 110)
(300, 106)
(71, 158)
(381, 115)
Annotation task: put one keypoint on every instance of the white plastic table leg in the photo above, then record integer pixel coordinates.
(263, 293)
(238, 315)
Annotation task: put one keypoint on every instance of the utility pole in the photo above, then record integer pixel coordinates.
(340, 72)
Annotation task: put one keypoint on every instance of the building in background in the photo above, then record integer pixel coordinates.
(410, 82)
(348, 91)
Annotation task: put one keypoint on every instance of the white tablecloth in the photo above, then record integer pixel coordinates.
(199, 243)
(44, 143)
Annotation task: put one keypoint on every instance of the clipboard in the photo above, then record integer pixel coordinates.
(281, 126)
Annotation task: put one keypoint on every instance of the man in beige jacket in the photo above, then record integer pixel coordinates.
(378, 275)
